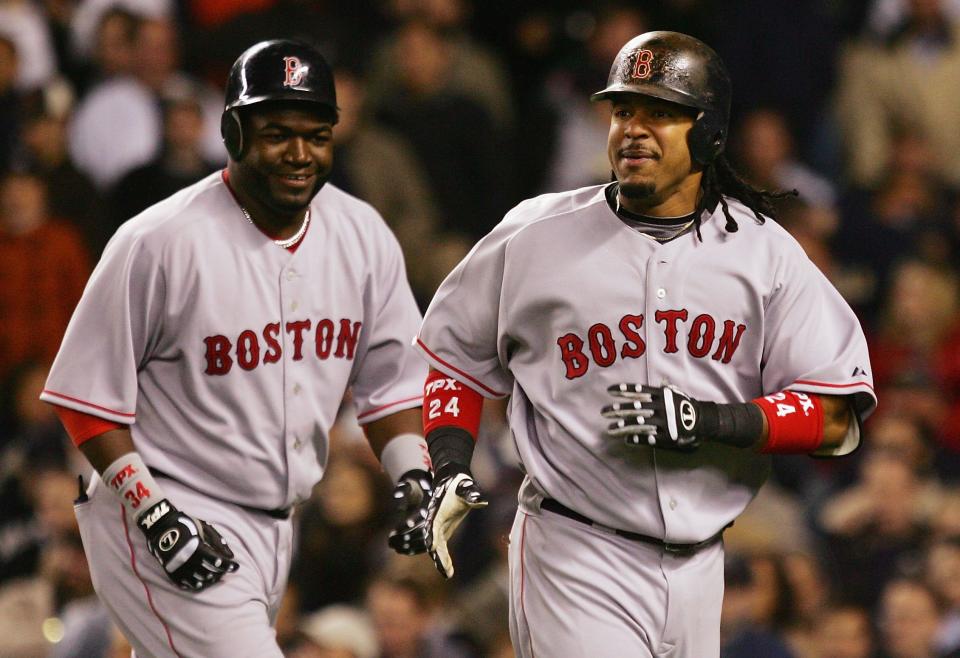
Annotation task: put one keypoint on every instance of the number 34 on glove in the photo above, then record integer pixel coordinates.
(658, 416)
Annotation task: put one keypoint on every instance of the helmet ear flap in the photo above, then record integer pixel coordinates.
(707, 138)
(231, 129)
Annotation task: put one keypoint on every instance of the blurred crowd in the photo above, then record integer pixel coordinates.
(451, 112)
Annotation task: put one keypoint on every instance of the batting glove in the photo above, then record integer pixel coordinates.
(192, 553)
(452, 499)
(411, 496)
(658, 416)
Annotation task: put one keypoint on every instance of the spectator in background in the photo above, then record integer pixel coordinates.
(336, 631)
(744, 628)
(577, 160)
(377, 165)
(10, 99)
(912, 78)
(809, 586)
(473, 71)
(843, 631)
(25, 25)
(113, 53)
(29, 439)
(118, 125)
(775, 606)
(765, 150)
(879, 524)
(341, 528)
(71, 195)
(916, 350)
(88, 15)
(405, 615)
(908, 616)
(452, 135)
(942, 575)
(906, 214)
(181, 161)
(56, 603)
(44, 266)
(780, 56)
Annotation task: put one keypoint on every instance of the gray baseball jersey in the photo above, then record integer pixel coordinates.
(562, 299)
(229, 357)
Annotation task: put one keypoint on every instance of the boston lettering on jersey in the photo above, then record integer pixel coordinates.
(705, 336)
(338, 340)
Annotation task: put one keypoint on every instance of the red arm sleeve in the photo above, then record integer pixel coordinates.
(83, 427)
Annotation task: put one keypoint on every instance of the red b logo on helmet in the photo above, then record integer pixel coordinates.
(293, 71)
(642, 68)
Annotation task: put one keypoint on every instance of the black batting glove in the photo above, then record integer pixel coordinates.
(657, 416)
(411, 496)
(192, 553)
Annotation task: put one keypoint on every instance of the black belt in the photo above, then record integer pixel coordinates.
(552, 505)
(281, 514)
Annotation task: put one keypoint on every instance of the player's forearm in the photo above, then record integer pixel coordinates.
(381, 431)
(397, 441)
(105, 449)
(837, 417)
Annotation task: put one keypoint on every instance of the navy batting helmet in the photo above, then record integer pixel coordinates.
(676, 67)
(277, 70)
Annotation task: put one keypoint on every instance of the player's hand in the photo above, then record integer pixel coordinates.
(411, 496)
(452, 499)
(191, 551)
(658, 416)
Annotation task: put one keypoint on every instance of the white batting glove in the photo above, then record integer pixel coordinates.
(451, 500)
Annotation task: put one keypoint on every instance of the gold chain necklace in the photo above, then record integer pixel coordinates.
(285, 243)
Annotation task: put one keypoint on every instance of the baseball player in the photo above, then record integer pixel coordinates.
(659, 337)
(206, 362)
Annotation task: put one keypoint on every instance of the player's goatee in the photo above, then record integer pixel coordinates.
(637, 190)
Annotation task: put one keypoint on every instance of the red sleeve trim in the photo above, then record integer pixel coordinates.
(387, 406)
(87, 404)
(474, 380)
(82, 427)
(809, 382)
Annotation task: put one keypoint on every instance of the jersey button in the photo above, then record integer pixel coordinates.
(297, 443)
(673, 504)
(291, 275)
(661, 293)
(296, 389)
(294, 306)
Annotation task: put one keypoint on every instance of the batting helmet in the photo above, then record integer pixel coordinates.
(677, 68)
(277, 70)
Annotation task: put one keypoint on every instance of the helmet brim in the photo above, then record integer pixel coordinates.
(652, 90)
(291, 95)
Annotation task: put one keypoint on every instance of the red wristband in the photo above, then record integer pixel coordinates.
(794, 420)
(449, 403)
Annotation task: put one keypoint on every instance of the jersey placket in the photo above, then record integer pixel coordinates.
(658, 298)
(296, 330)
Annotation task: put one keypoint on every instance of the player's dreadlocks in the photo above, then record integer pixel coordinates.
(720, 178)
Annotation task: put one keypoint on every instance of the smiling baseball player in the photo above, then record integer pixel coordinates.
(206, 362)
(659, 337)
